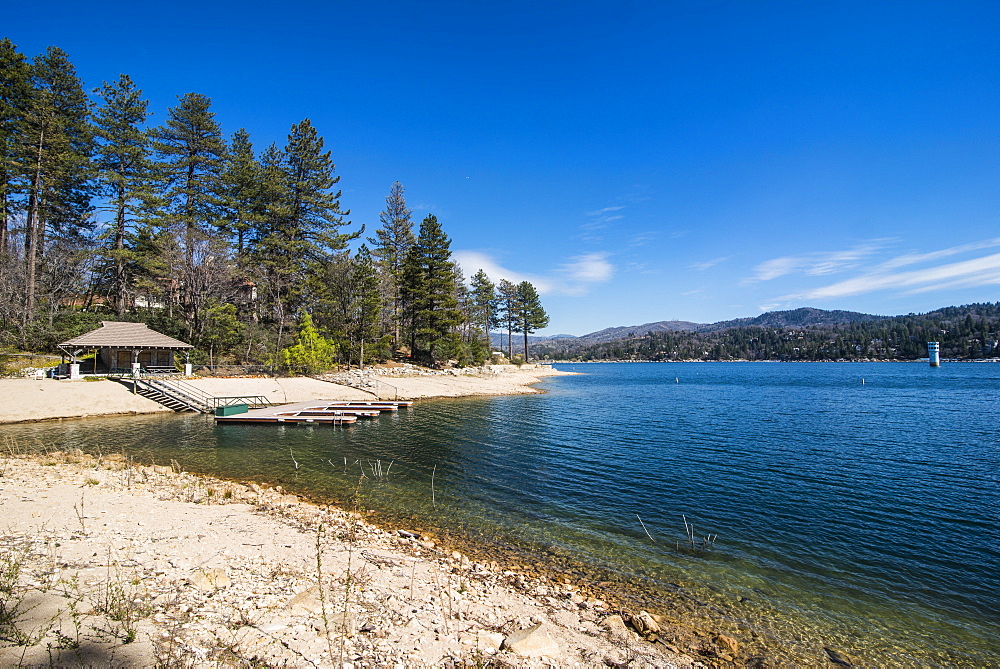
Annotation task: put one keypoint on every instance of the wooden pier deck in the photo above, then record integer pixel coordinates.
(313, 412)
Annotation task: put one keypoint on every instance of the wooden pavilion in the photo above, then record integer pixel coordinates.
(124, 348)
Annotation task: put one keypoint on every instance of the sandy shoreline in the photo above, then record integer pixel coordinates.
(30, 400)
(226, 573)
(122, 564)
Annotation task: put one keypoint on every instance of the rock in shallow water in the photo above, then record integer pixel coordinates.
(839, 658)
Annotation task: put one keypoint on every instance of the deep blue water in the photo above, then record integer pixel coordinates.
(856, 505)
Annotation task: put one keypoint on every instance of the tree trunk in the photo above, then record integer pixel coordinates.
(31, 233)
(120, 278)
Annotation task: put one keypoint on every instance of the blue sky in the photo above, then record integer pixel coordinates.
(637, 161)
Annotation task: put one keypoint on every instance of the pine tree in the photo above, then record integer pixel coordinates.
(124, 177)
(483, 303)
(242, 184)
(58, 142)
(191, 148)
(392, 243)
(311, 352)
(192, 151)
(299, 229)
(429, 287)
(366, 302)
(530, 314)
(507, 311)
(315, 216)
(15, 97)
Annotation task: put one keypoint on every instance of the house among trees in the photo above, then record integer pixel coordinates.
(122, 348)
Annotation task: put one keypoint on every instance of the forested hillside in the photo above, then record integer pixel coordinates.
(245, 252)
(966, 332)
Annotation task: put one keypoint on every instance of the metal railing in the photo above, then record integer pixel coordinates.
(193, 397)
(185, 393)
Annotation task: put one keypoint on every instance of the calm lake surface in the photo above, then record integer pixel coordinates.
(856, 505)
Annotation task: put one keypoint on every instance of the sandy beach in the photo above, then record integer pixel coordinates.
(110, 563)
(47, 399)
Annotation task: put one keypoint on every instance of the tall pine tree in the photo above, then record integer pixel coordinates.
(530, 314)
(242, 188)
(56, 168)
(124, 177)
(192, 151)
(300, 230)
(392, 243)
(366, 302)
(429, 293)
(507, 311)
(483, 303)
(15, 97)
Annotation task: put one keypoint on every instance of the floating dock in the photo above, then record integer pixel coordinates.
(313, 412)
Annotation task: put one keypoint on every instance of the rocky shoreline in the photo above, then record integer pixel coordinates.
(112, 562)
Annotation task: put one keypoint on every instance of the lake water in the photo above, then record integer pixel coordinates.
(856, 505)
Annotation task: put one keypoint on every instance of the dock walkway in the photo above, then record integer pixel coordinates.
(313, 411)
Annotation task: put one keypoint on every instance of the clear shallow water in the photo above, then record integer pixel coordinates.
(857, 516)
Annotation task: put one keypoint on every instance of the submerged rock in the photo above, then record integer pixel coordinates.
(839, 658)
(727, 643)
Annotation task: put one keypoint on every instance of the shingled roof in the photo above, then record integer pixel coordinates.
(112, 334)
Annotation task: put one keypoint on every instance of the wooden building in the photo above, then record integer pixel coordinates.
(124, 348)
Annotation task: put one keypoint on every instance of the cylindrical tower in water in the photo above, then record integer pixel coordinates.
(934, 353)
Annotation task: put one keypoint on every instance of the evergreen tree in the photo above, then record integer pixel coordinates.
(191, 148)
(192, 151)
(56, 168)
(315, 216)
(221, 330)
(366, 302)
(242, 185)
(15, 97)
(392, 243)
(530, 314)
(429, 293)
(124, 178)
(300, 228)
(483, 303)
(507, 311)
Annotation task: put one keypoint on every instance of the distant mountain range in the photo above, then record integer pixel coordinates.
(853, 331)
(802, 317)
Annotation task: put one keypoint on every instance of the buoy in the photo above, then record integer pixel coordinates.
(676, 380)
(862, 382)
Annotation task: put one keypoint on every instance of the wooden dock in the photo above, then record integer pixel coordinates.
(312, 412)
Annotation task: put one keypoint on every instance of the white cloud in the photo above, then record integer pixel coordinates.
(815, 264)
(589, 268)
(473, 261)
(916, 258)
(571, 278)
(601, 218)
(708, 264)
(981, 271)
(601, 212)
